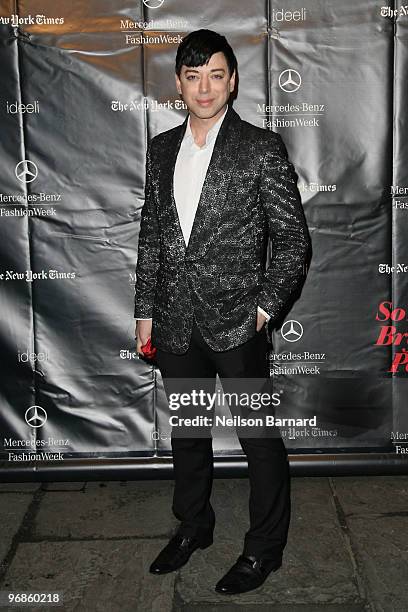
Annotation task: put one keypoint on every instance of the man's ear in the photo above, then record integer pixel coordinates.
(232, 81)
(178, 83)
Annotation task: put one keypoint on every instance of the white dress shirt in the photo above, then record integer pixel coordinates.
(189, 175)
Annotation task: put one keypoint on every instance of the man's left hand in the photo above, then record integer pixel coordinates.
(260, 321)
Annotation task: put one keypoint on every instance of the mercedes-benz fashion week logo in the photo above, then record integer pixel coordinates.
(292, 331)
(26, 171)
(35, 416)
(153, 3)
(290, 80)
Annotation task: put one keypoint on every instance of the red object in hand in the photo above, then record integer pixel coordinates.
(148, 350)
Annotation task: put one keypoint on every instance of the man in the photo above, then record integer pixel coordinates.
(217, 188)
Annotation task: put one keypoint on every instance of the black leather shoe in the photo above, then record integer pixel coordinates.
(247, 573)
(175, 554)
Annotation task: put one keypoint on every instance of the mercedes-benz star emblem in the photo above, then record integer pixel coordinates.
(35, 416)
(292, 331)
(26, 171)
(290, 80)
(153, 3)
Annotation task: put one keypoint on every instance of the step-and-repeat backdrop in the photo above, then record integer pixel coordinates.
(83, 87)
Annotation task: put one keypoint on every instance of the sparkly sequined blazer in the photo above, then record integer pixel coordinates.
(249, 195)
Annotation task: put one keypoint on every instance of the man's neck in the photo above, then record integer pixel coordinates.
(200, 127)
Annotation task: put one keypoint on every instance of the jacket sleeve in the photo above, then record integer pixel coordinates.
(288, 231)
(148, 249)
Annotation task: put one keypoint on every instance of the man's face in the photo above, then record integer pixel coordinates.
(206, 89)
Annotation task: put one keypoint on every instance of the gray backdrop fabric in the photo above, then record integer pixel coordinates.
(84, 86)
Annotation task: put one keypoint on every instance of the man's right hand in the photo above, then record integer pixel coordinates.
(143, 331)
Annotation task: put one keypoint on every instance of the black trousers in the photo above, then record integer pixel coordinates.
(269, 501)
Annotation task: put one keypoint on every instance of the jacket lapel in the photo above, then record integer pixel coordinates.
(167, 187)
(215, 187)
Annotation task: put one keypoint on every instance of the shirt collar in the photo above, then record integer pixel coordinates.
(211, 134)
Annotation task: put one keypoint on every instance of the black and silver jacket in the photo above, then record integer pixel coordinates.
(249, 195)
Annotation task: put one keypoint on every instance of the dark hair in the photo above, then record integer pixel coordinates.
(197, 47)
